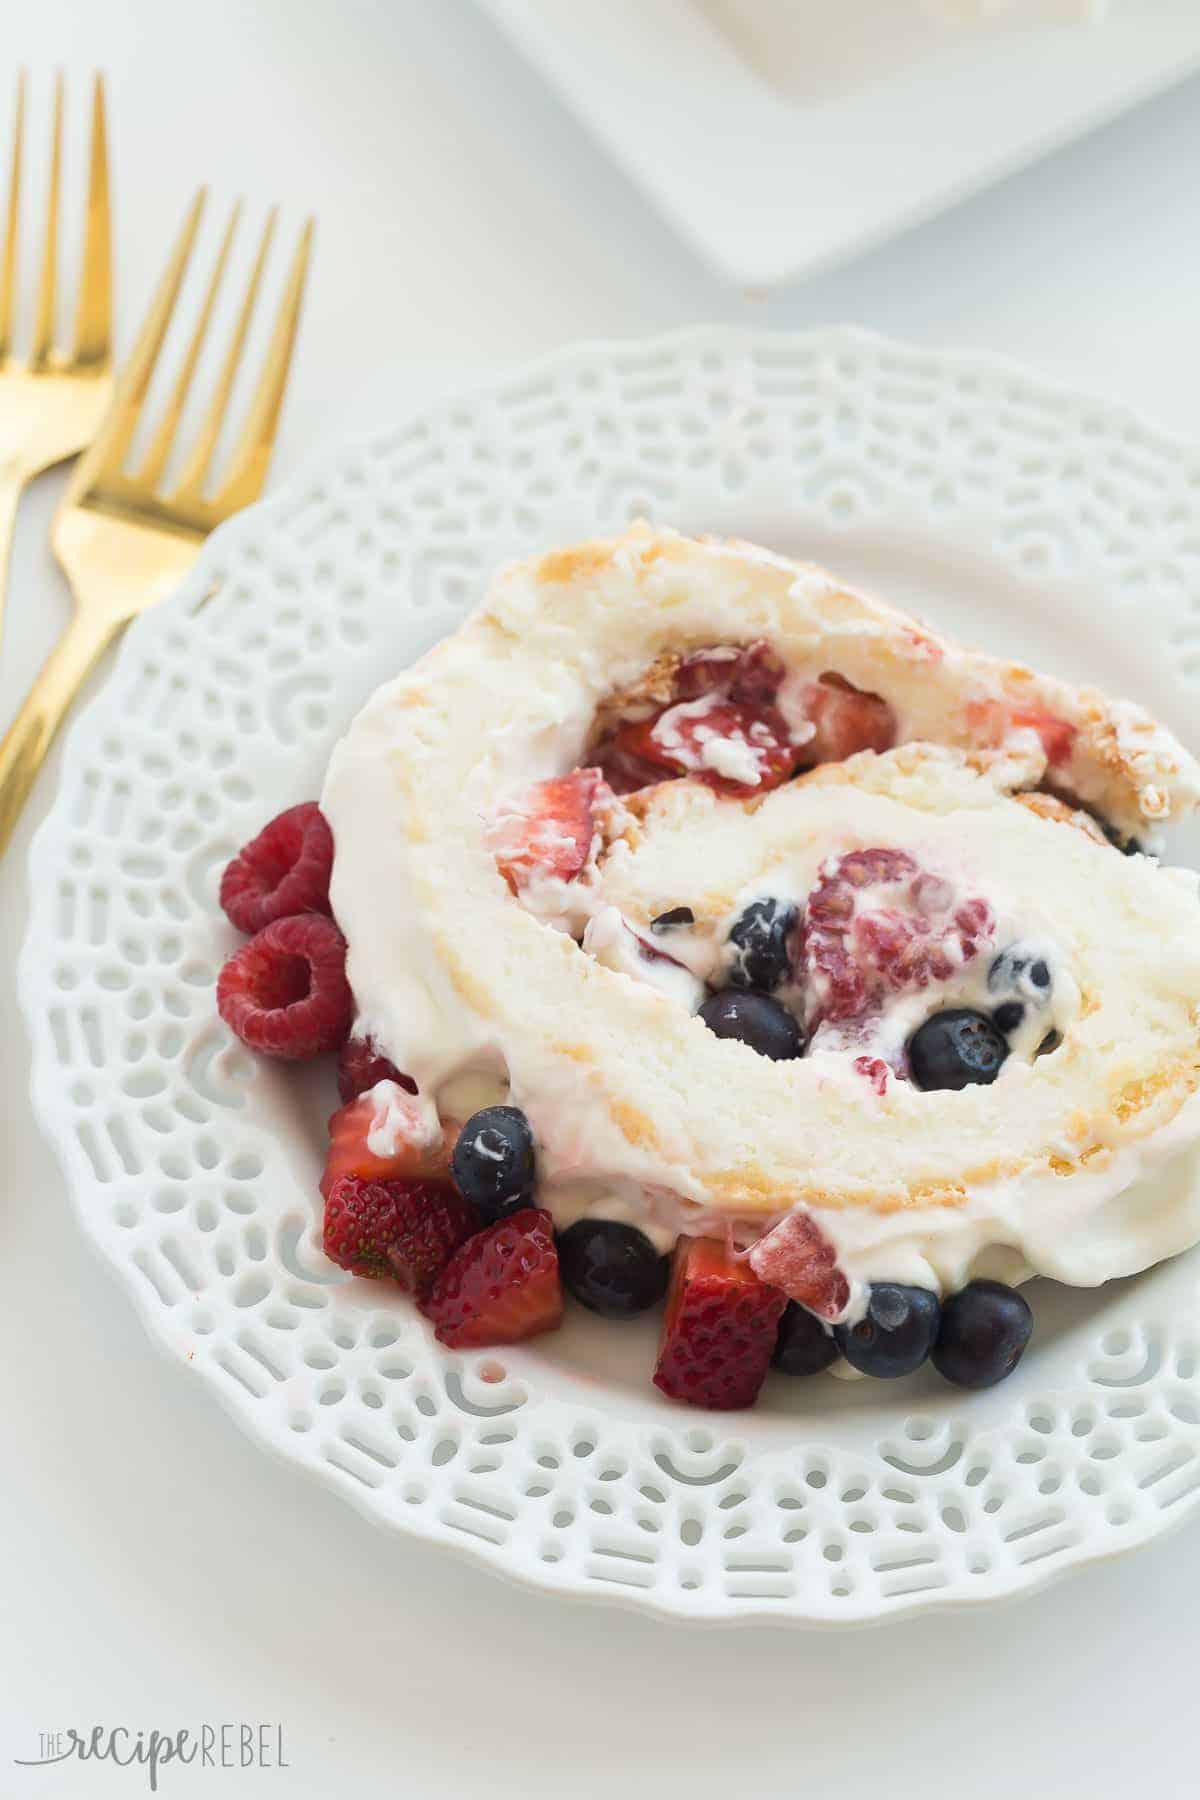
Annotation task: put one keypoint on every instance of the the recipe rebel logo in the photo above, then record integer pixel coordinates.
(240, 1745)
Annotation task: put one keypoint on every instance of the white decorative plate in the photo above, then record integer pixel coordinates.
(1033, 520)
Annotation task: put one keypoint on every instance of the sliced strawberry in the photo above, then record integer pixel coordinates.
(625, 769)
(751, 675)
(405, 1143)
(705, 672)
(550, 831)
(990, 721)
(1057, 735)
(407, 1230)
(719, 1330)
(846, 719)
(501, 1286)
(798, 1258)
(713, 739)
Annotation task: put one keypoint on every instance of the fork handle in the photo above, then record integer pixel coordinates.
(29, 737)
(12, 481)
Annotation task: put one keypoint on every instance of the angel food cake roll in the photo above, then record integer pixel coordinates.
(713, 929)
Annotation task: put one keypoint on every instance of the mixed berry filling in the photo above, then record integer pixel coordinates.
(734, 720)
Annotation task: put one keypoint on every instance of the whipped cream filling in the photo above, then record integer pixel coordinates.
(401, 1120)
(705, 748)
(470, 990)
(612, 940)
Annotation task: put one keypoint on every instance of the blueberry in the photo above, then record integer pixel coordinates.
(1008, 1017)
(759, 937)
(1021, 972)
(956, 1049)
(803, 1346)
(983, 1334)
(677, 915)
(895, 1334)
(1128, 846)
(754, 1019)
(612, 1268)
(492, 1163)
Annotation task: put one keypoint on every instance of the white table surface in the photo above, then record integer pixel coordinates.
(158, 1570)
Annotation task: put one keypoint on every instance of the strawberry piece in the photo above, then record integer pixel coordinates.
(798, 1258)
(846, 720)
(285, 993)
(502, 1285)
(284, 871)
(719, 1331)
(741, 684)
(711, 738)
(624, 769)
(360, 1066)
(1057, 735)
(390, 1114)
(990, 721)
(751, 676)
(550, 832)
(758, 675)
(407, 1230)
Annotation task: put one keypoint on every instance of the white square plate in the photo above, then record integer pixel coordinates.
(769, 182)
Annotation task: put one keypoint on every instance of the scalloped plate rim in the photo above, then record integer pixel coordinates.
(86, 726)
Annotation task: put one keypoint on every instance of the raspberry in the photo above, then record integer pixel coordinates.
(283, 871)
(407, 1230)
(501, 1286)
(874, 1070)
(798, 1258)
(912, 932)
(719, 1332)
(285, 993)
(360, 1066)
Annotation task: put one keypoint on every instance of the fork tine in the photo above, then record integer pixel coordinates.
(43, 325)
(251, 454)
(191, 481)
(111, 444)
(93, 316)
(164, 437)
(8, 270)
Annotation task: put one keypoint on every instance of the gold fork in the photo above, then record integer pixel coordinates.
(51, 404)
(122, 541)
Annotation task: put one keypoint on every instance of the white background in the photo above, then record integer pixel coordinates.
(157, 1569)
